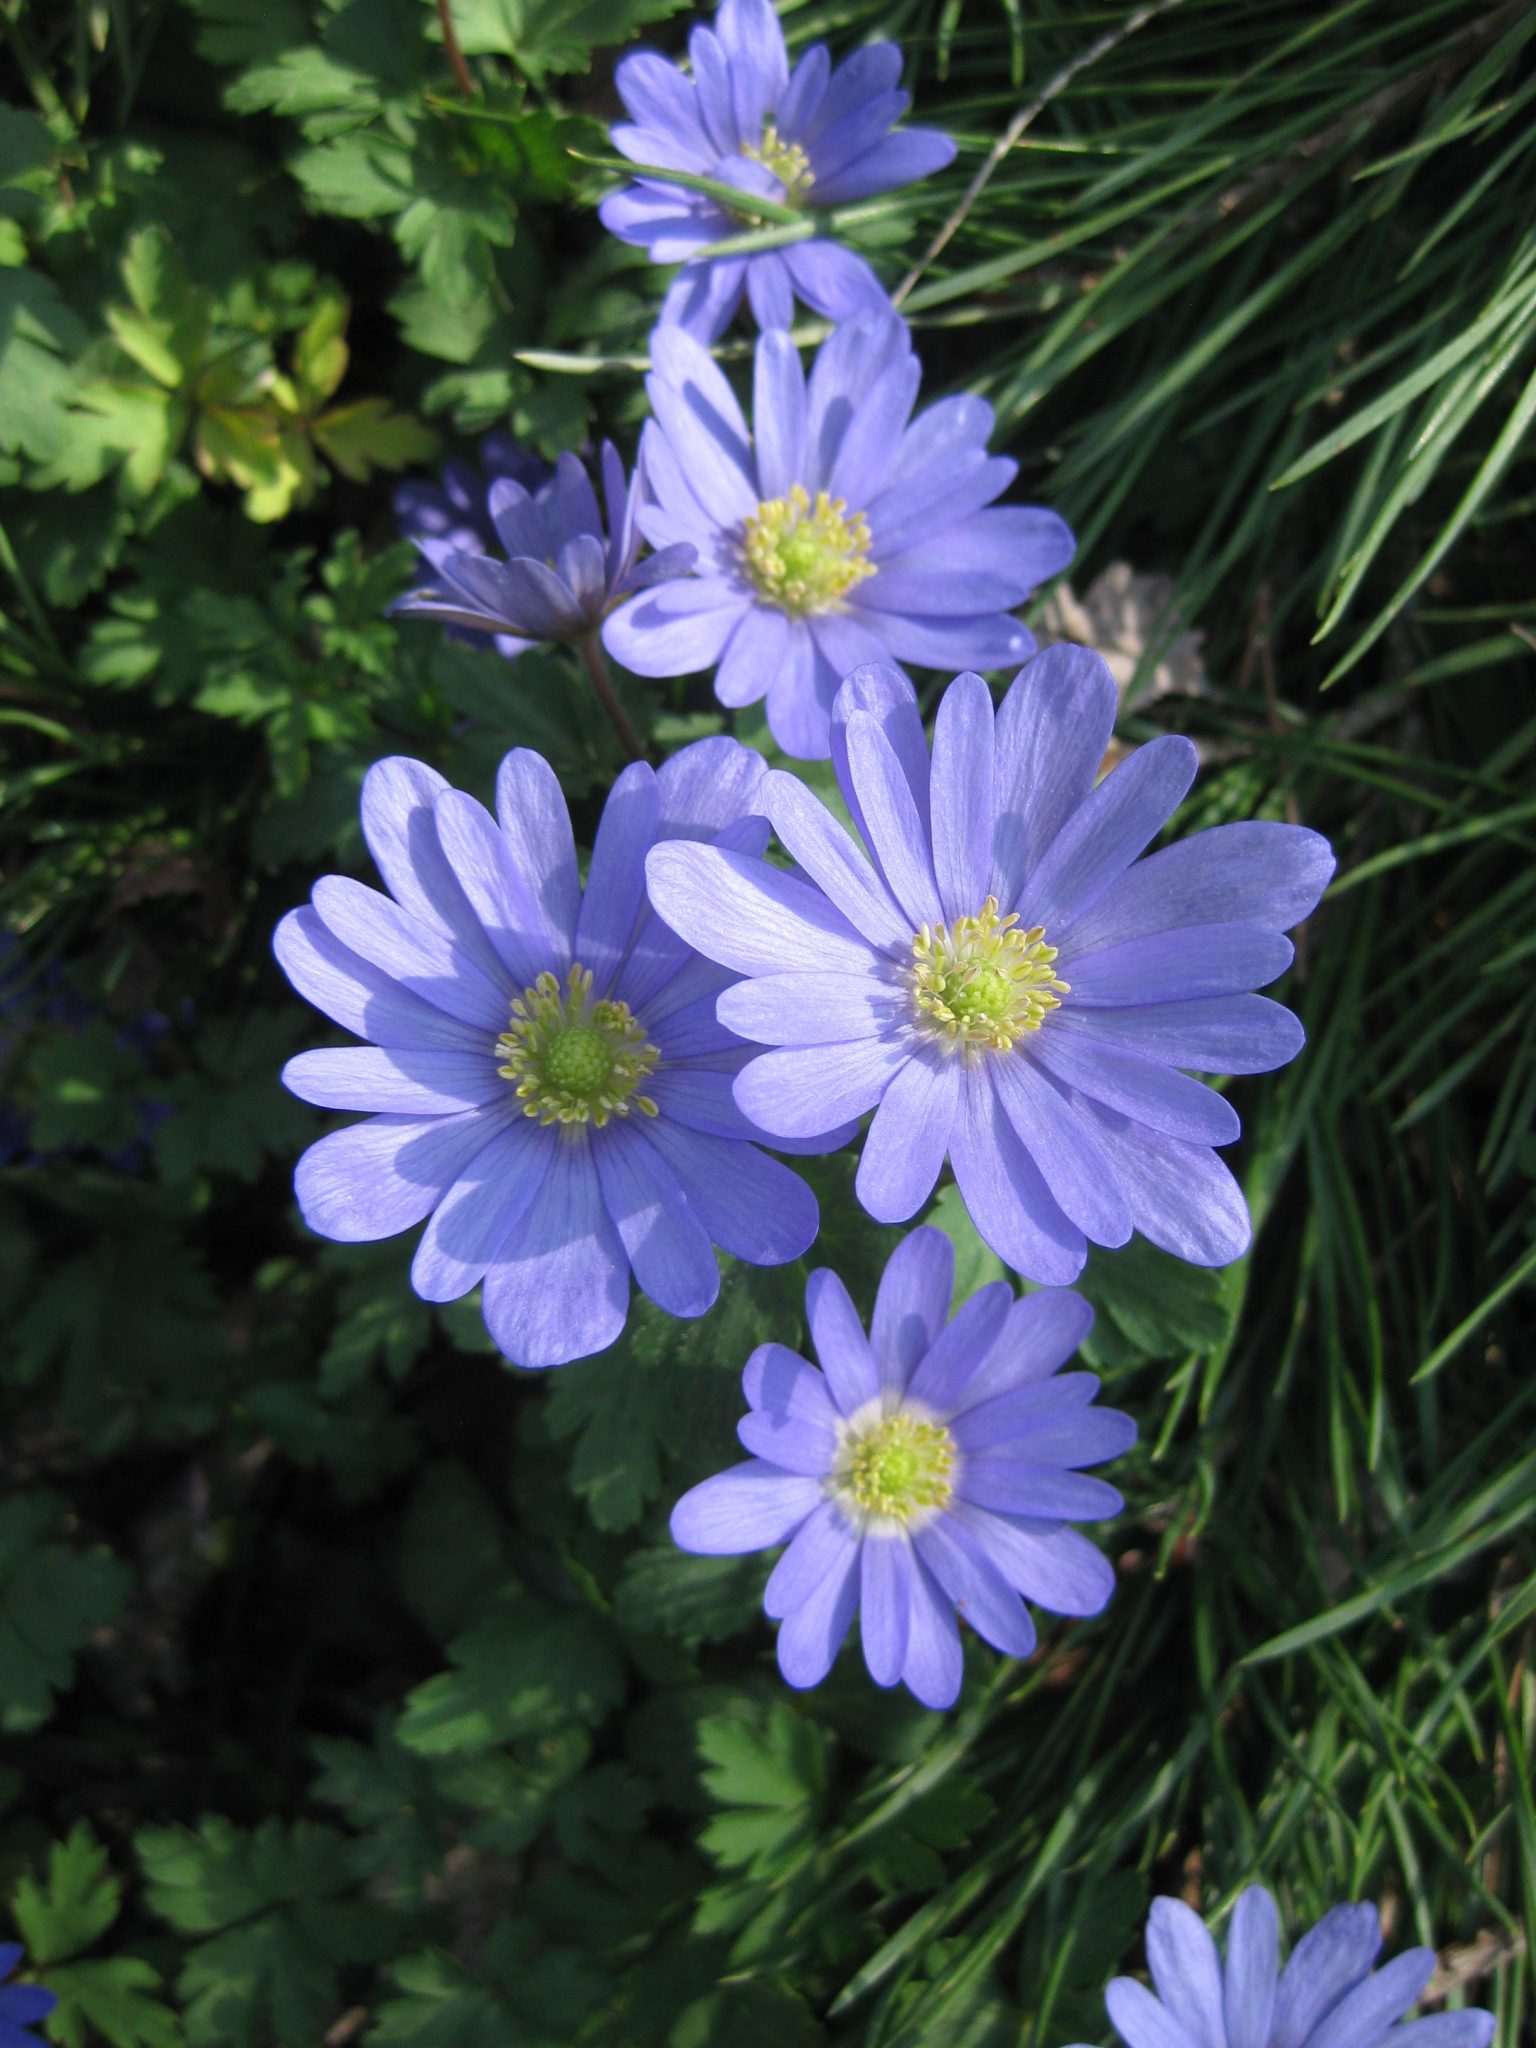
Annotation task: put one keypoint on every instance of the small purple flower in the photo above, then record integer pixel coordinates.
(564, 573)
(552, 1090)
(927, 1470)
(20, 2004)
(1003, 982)
(1327, 1996)
(814, 137)
(838, 531)
(457, 508)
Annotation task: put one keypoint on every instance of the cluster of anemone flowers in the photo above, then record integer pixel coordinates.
(575, 1083)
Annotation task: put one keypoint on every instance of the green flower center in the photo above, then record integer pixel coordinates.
(787, 161)
(894, 1467)
(983, 981)
(573, 1061)
(804, 557)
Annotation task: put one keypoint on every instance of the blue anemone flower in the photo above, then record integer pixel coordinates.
(20, 2004)
(838, 530)
(929, 1469)
(457, 507)
(1002, 980)
(1327, 1996)
(551, 1091)
(813, 136)
(565, 571)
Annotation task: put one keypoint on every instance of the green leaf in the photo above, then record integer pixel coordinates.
(552, 35)
(390, 1797)
(89, 1087)
(118, 1999)
(52, 1601)
(907, 1856)
(770, 1778)
(116, 423)
(232, 1112)
(526, 1672)
(369, 434)
(302, 81)
(76, 1905)
(127, 1355)
(1072, 1951)
(665, 1387)
(67, 544)
(171, 329)
(530, 150)
(518, 2000)
(320, 352)
(762, 2012)
(454, 1551)
(278, 1929)
(379, 1321)
(363, 176)
(1148, 1304)
(25, 144)
(693, 1599)
(39, 339)
(234, 32)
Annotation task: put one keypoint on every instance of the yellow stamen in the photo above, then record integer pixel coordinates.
(787, 161)
(984, 981)
(573, 1061)
(804, 557)
(893, 1468)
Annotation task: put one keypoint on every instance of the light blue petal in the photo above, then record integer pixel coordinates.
(912, 1304)
(748, 1507)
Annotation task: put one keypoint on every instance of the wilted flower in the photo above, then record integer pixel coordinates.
(1327, 1996)
(814, 137)
(552, 1091)
(564, 573)
(20, 2004)
(837, 531)
(927, 1470)
(1002, 981)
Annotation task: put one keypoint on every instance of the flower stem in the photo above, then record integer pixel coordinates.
(592, 654)
(462, 75)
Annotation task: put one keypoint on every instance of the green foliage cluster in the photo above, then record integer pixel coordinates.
(350, 1689)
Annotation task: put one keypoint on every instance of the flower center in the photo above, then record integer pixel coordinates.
(573, 1061)
(787, 161)
(803, 557)
(984, 981)
(894, 1467)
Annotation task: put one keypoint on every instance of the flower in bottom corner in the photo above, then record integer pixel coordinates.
(551, 1090)
(927, 1471)
(1327, 1996)
(20, 2004)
